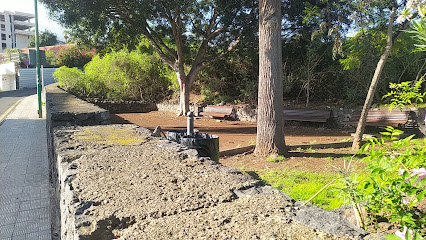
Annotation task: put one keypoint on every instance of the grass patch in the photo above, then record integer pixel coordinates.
(301, 185)
(276, 158)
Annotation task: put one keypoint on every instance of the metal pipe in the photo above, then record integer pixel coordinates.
(190, 124)
(40, 115)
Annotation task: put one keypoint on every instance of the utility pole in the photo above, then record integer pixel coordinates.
(40, 114)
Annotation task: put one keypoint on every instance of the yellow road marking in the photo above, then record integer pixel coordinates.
(4, 115)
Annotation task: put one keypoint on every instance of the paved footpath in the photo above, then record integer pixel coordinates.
(24, 174)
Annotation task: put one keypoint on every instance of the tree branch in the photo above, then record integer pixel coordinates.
(160, 42)
(157, 48)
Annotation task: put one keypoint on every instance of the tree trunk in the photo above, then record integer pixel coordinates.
(373, 85)
(270, 123)
(185, 89)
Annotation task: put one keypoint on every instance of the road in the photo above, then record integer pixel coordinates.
(8, 98)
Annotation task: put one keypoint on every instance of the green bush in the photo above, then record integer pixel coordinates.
(119, 76)
(70, 79)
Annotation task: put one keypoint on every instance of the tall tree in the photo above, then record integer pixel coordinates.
(391, 38)
(270, 122)
(187, 34)
(47, 38)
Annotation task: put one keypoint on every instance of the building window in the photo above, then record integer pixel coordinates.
(3, 27)
(3, 36)
(3, 45)
(2, 18)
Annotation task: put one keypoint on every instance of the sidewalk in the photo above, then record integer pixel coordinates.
(24, 175)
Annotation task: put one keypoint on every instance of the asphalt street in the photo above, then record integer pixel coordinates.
(9, 98)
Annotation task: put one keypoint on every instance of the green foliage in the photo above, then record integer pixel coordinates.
(46, 38)
(73, 56)
(301, 185)
(51, 59)
(405, 93)
(276, 158)
(396, 183)
(233, 79)
(71, 79)
(362, 53)
(418, 33)
(119, 76)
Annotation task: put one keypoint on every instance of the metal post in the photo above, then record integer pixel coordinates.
(190, 124)
(40, 114)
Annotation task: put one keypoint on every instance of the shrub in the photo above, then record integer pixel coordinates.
(73, 56)
(119, 76)
(70, 79)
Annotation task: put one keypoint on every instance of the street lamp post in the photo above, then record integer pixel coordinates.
(40, 115)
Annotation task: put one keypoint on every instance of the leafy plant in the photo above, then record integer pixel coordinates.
(397, 179)
(418, 33)
(405, 93)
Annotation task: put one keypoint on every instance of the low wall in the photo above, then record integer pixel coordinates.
(119, 182)
(63, 109)
(116, 181)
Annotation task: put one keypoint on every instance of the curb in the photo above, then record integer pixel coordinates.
(4, 115)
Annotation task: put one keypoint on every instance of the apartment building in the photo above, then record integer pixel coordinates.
(15, 29)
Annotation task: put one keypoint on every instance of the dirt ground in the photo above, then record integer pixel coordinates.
(315, 149)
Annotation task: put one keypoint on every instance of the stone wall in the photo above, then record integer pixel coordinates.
(116, 181)
(124, 106)
(64, 109)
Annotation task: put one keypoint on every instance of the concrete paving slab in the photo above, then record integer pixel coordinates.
(24, 176)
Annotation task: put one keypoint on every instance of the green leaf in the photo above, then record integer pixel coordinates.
(420, 196)
(408, 235)
(421, 183)
(392, 237)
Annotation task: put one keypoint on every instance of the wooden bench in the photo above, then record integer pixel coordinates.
(307, 115)
(380, 118)
(217, 111)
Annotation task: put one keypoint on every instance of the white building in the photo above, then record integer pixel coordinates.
(15, 29)
(7, 77)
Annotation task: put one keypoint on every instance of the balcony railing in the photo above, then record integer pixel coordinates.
(22, 24)
(24, 32)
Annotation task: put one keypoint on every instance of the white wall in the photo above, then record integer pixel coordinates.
(21, 41)
(7, 77)
(6, 31)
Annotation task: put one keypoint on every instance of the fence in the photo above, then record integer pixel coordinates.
(27, 77)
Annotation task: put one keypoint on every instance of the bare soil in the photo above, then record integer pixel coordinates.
(315, 149)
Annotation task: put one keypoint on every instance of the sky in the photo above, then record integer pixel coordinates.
(27, 6)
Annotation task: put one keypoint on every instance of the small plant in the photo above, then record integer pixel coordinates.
(346, 140)
(397, 180)
(313, 142)
(405, 93)
(252, 142)
(312, 150)
(276, 158)
(406, 234)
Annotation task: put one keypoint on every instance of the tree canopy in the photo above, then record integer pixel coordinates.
(182, 32)
(46, 38)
